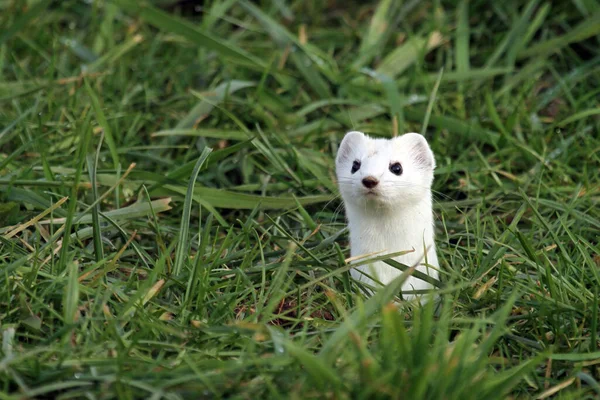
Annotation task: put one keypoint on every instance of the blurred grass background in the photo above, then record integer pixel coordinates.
(169, 218)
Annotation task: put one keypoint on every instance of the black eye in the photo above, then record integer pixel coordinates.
(355, 166)
(396, 168)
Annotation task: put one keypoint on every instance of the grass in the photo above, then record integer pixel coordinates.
(122, 275)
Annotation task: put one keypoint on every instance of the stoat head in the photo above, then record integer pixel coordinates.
(384, 172)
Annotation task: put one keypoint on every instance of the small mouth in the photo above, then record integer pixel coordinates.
(371, 193)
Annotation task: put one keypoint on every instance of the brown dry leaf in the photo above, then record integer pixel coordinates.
(153, 291)
(166, 316)
(484, 288)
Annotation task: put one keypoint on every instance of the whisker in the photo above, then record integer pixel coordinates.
(404, 184)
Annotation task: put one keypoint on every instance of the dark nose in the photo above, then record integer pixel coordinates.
(370, 182)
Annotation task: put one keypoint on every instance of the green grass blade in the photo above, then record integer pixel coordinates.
(322, 375)
(587, 28)
(372, 305)
(512, 37)
(182, 251)
(395, 63)
(23, 20)
(462, 38)
(431, 102)
(71, 297)
(139, 209)
(79, 164)
(98, 248)
(103, 122)
(209, 100)
(194, 34)
(241, 201)
(380, 28)
(209, 133)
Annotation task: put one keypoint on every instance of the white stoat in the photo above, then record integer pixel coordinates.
(386, 188)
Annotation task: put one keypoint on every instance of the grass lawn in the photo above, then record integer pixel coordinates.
(170, 225)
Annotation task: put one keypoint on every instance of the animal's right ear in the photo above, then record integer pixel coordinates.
(348, 147)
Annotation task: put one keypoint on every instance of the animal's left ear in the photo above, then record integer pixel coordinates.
(420, 150)
(351, 142)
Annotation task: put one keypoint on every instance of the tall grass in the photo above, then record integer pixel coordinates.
(170, 225)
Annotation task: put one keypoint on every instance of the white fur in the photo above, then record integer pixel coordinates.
(398, 216)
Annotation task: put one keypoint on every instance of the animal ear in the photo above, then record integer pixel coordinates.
(419, 149)
(348, 147)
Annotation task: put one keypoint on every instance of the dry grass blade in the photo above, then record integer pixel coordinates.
(36, 219)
